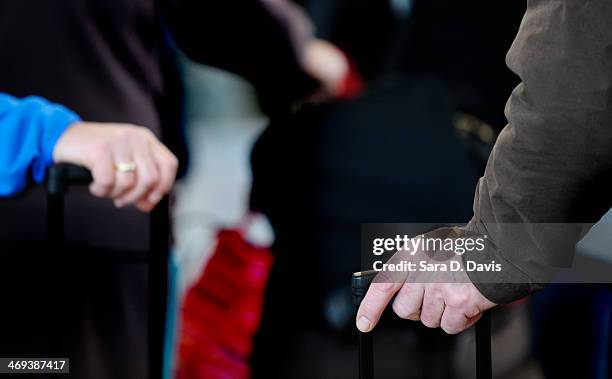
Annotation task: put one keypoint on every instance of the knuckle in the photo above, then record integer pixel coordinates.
(123, 135)
(144, 132)
(133, 133)
(149, 180)
(100, 150)
(458, 299)
(170, 165)
(404, 312)
(173, 162)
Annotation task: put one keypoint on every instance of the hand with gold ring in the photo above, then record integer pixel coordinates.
(128, 163)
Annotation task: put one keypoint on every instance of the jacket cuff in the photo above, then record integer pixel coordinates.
(55, 119)
(500, 287)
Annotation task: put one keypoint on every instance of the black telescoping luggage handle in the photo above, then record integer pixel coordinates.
(60, 178)
(361, 282)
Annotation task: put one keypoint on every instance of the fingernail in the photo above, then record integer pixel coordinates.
(155, 197)
(119, 204)
(364, 324)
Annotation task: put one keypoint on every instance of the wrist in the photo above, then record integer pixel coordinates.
(66, 149)
(57, 121)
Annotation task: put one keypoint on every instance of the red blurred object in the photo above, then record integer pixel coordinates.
(222, 311)
(353, 83)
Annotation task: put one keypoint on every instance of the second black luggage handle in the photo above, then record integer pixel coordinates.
(361, 282)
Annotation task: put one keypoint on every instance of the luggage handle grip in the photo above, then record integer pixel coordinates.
(360, 283)
(61, 176)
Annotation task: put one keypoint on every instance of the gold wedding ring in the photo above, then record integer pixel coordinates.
(125, 167)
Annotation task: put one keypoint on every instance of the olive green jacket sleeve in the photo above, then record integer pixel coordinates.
(553, 161)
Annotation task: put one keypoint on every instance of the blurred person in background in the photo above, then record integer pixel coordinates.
(113, 62)
(463, 44)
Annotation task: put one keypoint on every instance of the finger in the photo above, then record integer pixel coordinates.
(124, 181)
(147, 175)
(433, 307)
(453, 321)
(374, 303)
(103, 173)
(409, 300)
(167, 165)
(380, 293)
(472, 320)
(145, 205)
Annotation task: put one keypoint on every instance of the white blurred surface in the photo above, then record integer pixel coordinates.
(223, 123)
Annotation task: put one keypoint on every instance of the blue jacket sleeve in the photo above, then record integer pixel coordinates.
(29, 130)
